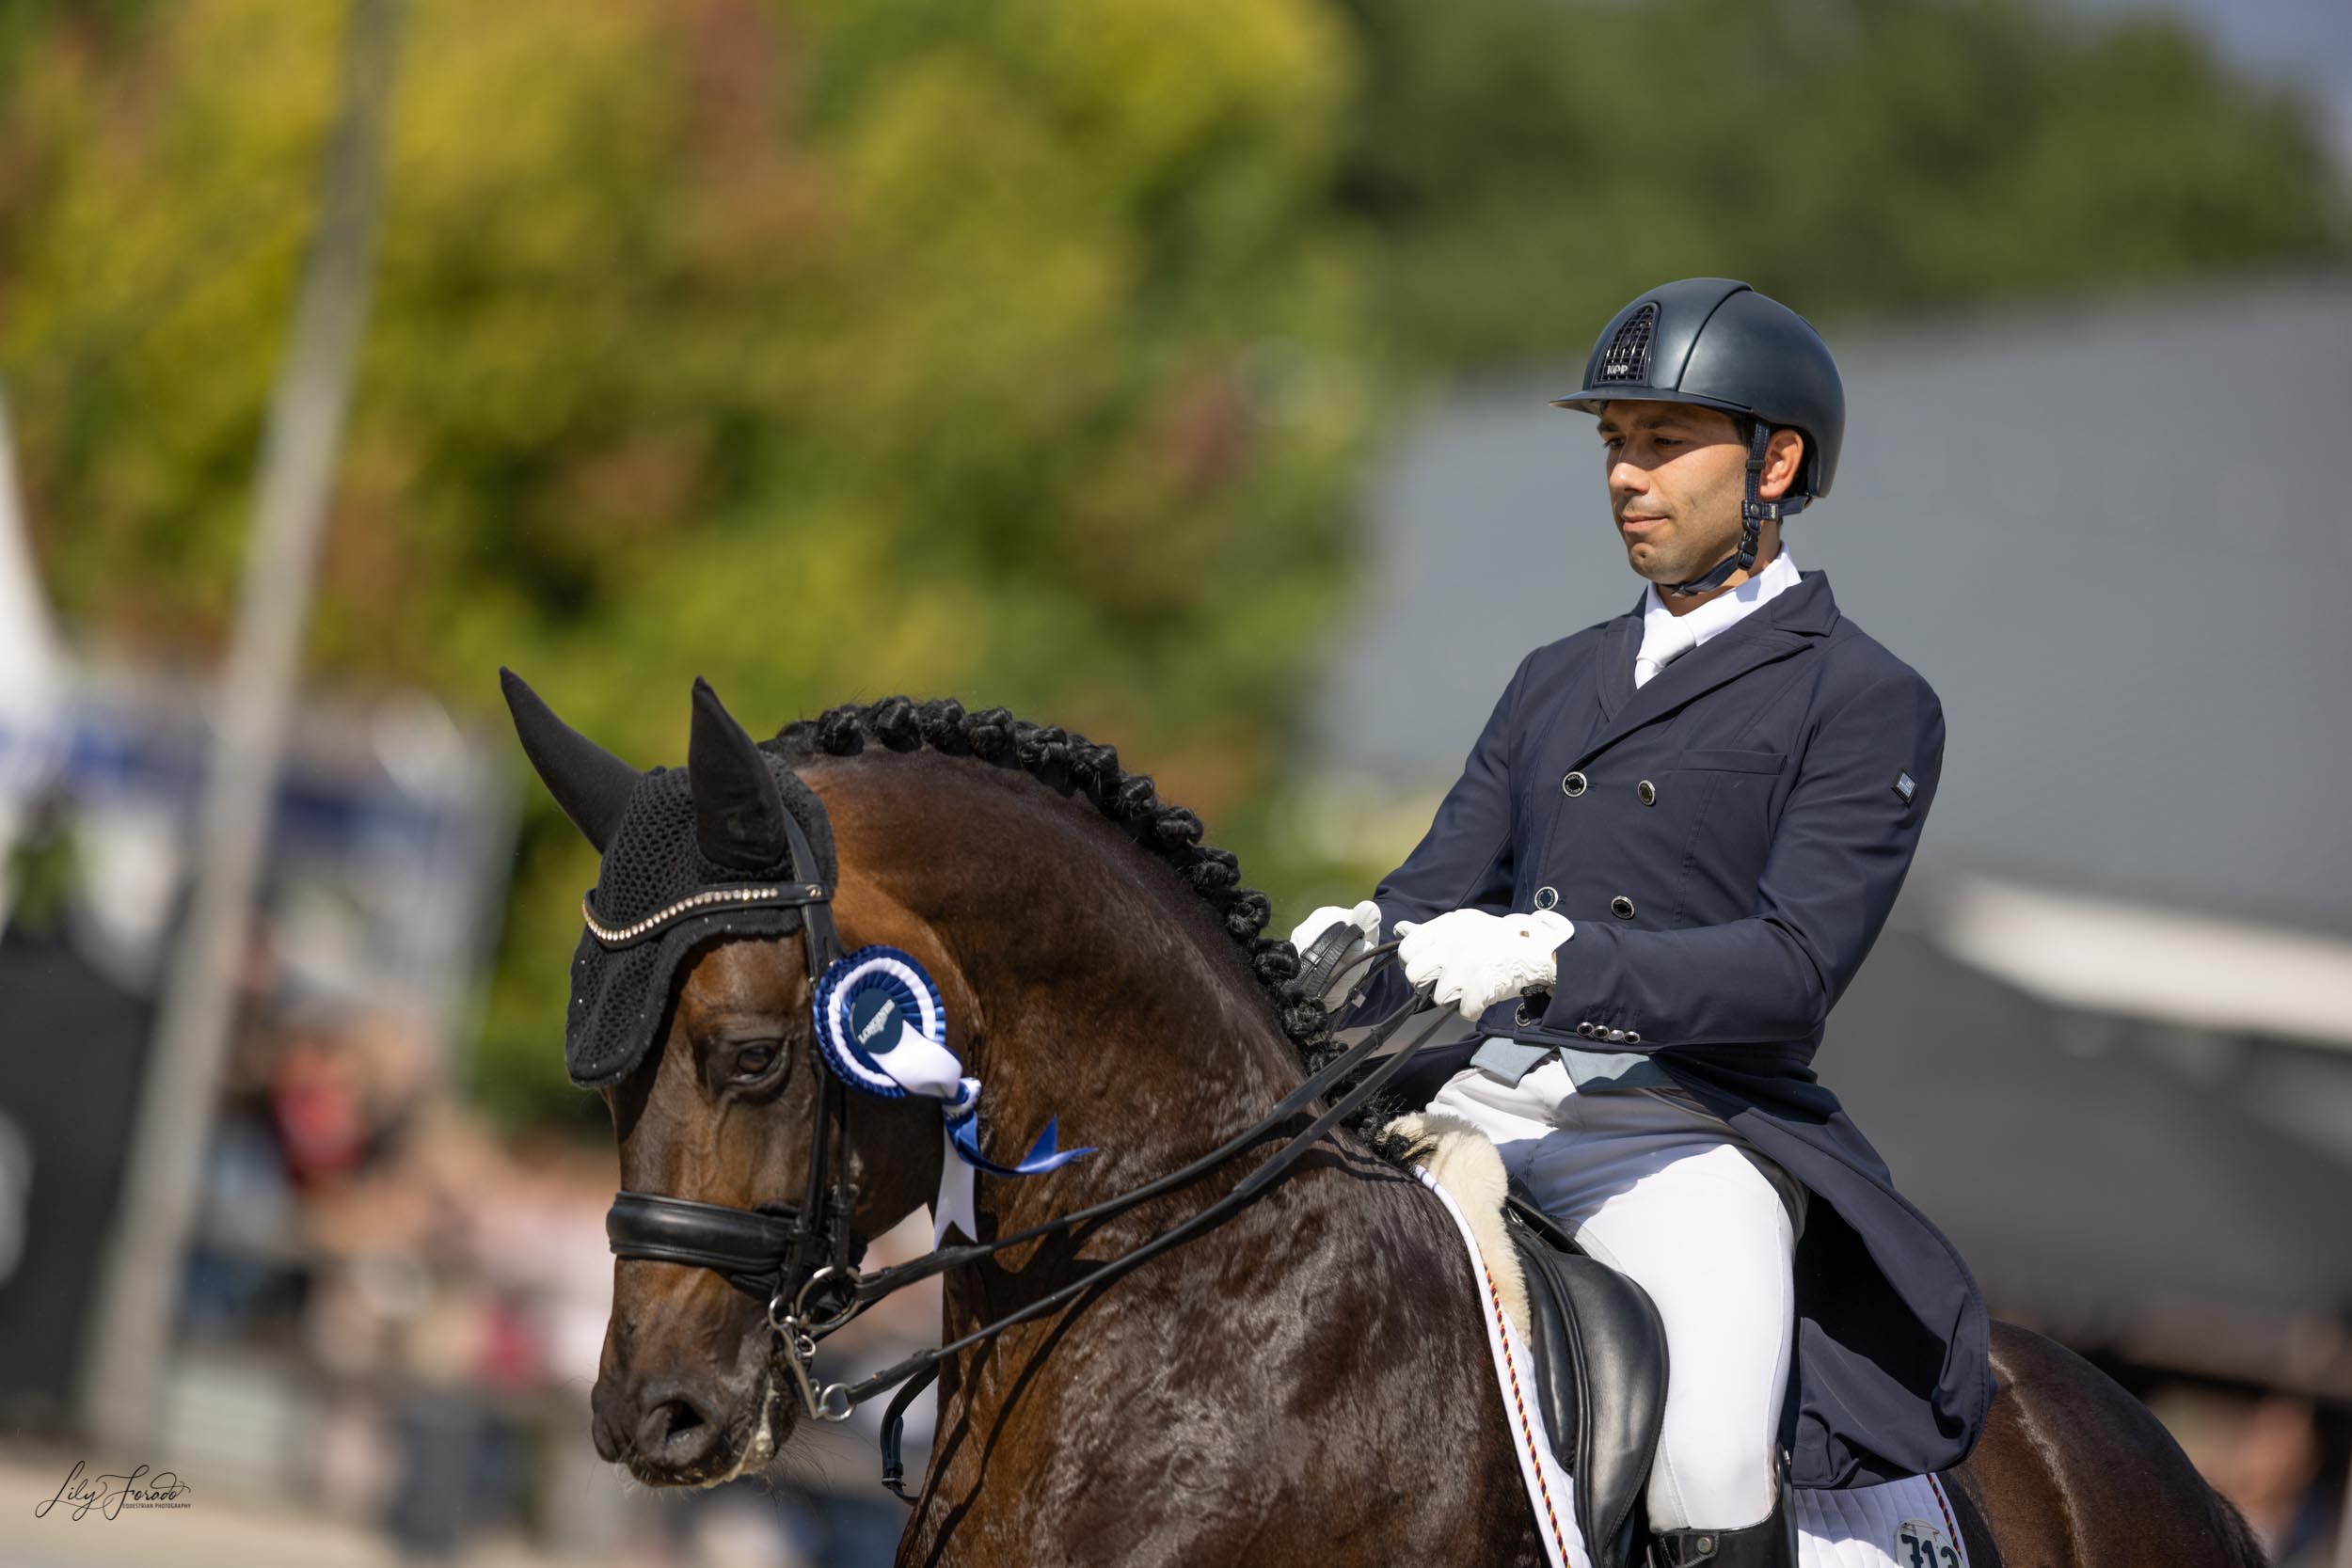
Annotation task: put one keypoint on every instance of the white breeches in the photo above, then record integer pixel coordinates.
(1655, 1189)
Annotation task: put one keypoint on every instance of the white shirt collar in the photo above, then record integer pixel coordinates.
(1718, 615)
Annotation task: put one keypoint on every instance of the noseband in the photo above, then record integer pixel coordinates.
(803, 1261)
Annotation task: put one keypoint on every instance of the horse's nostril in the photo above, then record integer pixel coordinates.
(675, 1431)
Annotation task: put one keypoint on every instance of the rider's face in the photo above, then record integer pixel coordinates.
(1675, 474)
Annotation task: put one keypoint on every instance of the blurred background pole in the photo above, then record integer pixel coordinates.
(28, 667)
(157, 1208)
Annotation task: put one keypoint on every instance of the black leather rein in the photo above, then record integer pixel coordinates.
(801, 1261)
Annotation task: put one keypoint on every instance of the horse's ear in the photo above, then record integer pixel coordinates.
(590, 783)
(738, 812)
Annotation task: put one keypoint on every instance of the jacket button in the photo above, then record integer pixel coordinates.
(1573, 785)
(1616, 1036)
(1586, 1029)
(1621, 907)
(1633, 1037)
(1547, 897)
(1648, 791)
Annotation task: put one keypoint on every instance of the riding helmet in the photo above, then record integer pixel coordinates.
(1717, 342)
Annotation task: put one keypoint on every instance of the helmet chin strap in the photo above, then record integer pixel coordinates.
(1754, 513)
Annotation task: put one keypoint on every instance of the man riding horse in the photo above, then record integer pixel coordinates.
(1230, 1332)
(1666, 857)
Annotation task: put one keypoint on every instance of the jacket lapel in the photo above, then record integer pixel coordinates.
(1790, 622)
(1619, 647)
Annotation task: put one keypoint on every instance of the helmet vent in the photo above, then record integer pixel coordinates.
(1627, 358)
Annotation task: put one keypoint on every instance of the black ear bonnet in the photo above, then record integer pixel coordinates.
(621, 992)
(732, 844)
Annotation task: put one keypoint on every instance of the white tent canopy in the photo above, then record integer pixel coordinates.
(2161, 962)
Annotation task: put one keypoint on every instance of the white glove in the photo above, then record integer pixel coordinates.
(1478, 959)
(1364, 916)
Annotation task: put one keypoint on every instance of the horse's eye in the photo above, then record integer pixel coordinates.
(754, 1060)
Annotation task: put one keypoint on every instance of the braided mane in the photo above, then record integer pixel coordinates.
(1072, 764)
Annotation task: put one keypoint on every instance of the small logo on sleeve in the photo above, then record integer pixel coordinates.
(1905, 788)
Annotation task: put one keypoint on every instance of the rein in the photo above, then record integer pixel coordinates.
(787, 1254)
(874, 1287)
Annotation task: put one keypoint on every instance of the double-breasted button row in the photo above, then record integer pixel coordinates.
(1548, 897)
(1575, 785)
(1613, 1036)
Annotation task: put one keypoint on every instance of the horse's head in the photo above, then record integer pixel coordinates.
(1090, 956)
(692, 1013)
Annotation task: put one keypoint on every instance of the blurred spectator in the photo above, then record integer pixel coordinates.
(37, 874)
(315, 1097)
(2264, 1453)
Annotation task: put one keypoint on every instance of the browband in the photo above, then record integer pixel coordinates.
(763, 896)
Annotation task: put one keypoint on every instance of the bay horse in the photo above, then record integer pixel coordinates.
(1308, 1380)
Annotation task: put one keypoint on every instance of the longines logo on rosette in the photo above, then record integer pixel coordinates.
(108, 1494)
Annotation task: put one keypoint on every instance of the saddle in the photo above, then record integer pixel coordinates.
(1600, 1377)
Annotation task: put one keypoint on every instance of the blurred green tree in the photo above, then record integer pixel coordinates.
(826, 350)
(1531, 165)
(1021, 351)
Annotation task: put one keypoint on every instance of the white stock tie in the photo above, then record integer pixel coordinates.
(1662, 642)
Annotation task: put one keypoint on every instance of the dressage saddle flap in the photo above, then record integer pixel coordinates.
(1600, 1376)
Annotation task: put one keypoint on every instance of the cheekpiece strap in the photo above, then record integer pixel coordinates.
(824, 941)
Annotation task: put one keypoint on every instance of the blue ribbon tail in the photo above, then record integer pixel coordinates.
(1043, 1155)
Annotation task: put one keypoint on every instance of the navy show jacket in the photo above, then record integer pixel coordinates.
(1728, 840)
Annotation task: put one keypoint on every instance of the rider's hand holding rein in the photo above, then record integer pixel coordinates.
(1365, 917)
(1478, 960)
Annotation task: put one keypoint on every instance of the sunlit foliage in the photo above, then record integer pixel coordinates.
(1027, 351)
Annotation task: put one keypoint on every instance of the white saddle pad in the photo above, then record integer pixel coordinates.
(1903, 1523)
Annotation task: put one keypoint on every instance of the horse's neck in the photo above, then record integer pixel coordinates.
(1305, 1335)
(1148, 1076)
(1123, 1013)
(1151, 1045)
(1303, 1321)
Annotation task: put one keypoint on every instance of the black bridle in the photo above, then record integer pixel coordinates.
(802, 1259)
(776, 1250)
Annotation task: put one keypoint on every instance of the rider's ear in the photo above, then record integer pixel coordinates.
(1782, 458)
